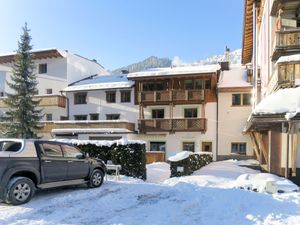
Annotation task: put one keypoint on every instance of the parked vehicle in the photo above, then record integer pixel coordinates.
(27, 165)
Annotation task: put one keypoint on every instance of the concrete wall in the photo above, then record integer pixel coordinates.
(232, 120)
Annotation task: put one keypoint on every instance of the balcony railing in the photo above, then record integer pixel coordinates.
(74, 124)
(285, 75)
(45, 100)
(173, 125)
(174, 96)
(286, 42)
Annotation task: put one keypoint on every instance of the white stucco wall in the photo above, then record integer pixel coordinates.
(232, 120)
(79, 67)
(96, 103)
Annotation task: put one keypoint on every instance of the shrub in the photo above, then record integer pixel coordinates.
(131, 155)
(190, 164)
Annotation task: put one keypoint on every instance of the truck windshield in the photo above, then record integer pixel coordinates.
(10, 146)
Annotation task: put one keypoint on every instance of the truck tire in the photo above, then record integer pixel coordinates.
(20, 190)
(96, 178)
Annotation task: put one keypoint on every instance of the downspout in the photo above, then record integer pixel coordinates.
(254, 52)
(286, 173)
(217, 127)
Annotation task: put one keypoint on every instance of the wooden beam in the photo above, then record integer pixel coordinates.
(262, 146)
(256, 148)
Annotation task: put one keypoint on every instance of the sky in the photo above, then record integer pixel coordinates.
(120, 32)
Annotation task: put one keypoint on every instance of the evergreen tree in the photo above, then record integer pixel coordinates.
(22, 116)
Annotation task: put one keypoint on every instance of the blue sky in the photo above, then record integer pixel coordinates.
(121, 32)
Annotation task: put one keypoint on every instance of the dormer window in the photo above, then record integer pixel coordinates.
(42, 68)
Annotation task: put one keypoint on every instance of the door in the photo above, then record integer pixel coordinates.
(78, 165)
(53, 164)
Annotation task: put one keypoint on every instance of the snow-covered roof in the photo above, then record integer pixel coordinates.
(235, 77)
(289, 58)
(284, 101)
(91, 130)
(101, 82)
(169, 71)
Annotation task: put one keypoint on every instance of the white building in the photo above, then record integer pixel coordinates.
(55, 70)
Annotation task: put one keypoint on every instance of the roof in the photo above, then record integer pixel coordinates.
(91, 130)
(37, 54)
(284, 101)
(173, 71)
(235, 77)
(247, 32)
(101, 82)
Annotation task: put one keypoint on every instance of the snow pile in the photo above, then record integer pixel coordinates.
(289, 58)
(235, 77)
(158, 172)
(122, 141)
(284, 101)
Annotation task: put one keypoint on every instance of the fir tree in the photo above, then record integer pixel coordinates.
(23, 115)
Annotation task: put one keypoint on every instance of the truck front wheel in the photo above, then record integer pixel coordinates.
(20, 190)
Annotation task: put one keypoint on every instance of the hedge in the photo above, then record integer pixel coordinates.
(131, 155)
(190, 164)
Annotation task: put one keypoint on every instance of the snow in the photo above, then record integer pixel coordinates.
(101, 82)
(122, 141)
(284, 101)
(289, 58)
(158, 172)
(167, 71)
(235, 77)
(209, 196)
(180, 156)
(91, 130)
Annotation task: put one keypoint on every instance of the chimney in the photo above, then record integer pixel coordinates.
(225, 64)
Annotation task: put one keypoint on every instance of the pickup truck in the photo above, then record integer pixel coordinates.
(27, 165)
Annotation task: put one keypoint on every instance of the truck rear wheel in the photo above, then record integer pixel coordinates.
(20, 190)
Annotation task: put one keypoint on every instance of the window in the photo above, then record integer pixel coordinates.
(94, 116)
(236, 99)
(42, 68)
(80, 117)
(238, 148)
(72, 152)
(154, 86)
(188, 84)
(207, 84)
(1, 94)
(111, 96)
(158, 113)
(10, 146)
(158, 146)
(190, 113)
(207, 146)
(125, 96)
(241, 99)
(49, 117)
(49, 91)
(112, 116)
(247, 99)
(80, 98)
(198, 84)
(51, 150)
(188, 146)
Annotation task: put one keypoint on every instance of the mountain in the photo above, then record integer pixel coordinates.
(151, 62)
(155, 62)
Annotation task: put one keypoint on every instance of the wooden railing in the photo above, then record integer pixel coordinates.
(172, 125)
(49, 126)
(171, 96)
(45, 100)
(286, 41)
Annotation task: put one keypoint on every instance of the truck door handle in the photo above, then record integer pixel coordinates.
(47, 161)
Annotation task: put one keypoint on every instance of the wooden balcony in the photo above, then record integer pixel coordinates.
(48, 126)
(285, 75)
(172, 125)
(46, 100)
(286, 42)
(172, 96)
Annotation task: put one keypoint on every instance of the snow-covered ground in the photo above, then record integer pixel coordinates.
(209, 196)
